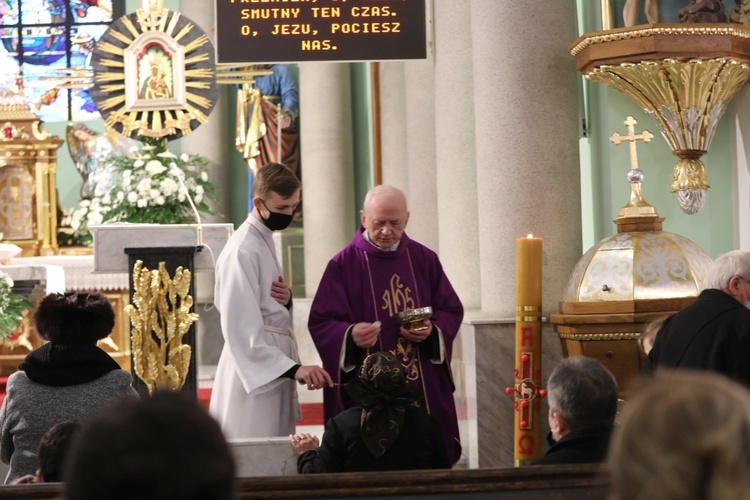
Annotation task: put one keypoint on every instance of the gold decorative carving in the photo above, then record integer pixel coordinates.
(154, 74)
(683, 76)
(160, 316)
(600, 336)
(661, 30)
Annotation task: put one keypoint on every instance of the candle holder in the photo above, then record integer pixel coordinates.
(412, 319)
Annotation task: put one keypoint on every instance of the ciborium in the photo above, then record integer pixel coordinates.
(413, 319)
(683, 76)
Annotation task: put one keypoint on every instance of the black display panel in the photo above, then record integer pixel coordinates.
(285, 31)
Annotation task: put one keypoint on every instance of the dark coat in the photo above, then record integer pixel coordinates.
(712, 334)
(419, 446)
(581, 446)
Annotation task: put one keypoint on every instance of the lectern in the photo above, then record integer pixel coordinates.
(117, 248)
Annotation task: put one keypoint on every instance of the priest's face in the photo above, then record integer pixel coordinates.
(385, 220)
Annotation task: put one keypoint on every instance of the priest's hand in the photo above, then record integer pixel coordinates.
(280, 291)
(304, 442)
(417, 335)
(314, 376)
(365, 335)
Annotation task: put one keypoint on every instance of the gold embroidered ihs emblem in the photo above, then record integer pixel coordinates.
(397, 297)
(406, 353)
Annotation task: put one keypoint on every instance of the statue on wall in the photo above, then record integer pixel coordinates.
(630, 11)
(268, 122)
(90, 150)
(741, 13)
(703, 11)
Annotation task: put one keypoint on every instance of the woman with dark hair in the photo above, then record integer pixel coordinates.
(68, 377)
(387, 431)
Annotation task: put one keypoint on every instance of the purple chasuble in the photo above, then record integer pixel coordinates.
(363, 284)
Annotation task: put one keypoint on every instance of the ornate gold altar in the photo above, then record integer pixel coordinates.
(28, 162)
(620, 285)
(624, 282)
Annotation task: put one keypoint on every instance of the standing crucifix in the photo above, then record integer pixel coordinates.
(637, 206)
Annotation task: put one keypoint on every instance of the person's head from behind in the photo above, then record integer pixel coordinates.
(581, 393)
(684, 435)
(383, 394)
(53, 449)
(648, 336)
(163, 447)
(74, 318)
(731, 274)
(384, 215)
(276, 195)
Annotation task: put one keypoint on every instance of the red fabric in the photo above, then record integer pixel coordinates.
(312, 413)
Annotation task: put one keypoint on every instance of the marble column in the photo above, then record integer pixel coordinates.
(420, 152)
(393, 124)
(455, 156)
(528, 181)
(407, 110)
(327, 179)
(456, 187)
(213, 141)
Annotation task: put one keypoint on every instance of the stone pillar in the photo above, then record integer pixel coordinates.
(420, 152)
(393, 124)
(455, 156)
(212, 141)
(527, 182)
(327, 179)
(407, 110)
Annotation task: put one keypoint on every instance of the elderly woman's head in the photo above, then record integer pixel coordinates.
(74, 318)
(383, 394)
(685, 435)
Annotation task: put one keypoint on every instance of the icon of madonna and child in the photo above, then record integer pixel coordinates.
(155, 78)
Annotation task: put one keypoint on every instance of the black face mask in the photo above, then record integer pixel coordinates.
(276, 221)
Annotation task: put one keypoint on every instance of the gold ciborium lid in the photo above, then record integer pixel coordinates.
(412, 319)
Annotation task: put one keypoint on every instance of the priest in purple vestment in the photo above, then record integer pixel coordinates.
(378, 275)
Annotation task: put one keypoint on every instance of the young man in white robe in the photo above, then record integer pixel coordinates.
(254, 392)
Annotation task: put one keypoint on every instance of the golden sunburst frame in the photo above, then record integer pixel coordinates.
(154, 74)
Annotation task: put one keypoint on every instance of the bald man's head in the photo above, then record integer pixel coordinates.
(384, 215)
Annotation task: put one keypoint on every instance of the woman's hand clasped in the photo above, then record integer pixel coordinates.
(304, 442)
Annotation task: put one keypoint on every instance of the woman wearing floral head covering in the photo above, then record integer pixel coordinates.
(387, 431)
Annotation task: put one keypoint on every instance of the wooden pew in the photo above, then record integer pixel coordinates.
(584, 482)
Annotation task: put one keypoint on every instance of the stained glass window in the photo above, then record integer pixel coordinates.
(41, 36)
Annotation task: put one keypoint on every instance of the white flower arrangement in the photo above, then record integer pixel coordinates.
(12, 306)
(148, 188)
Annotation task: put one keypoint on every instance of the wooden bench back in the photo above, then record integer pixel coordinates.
(580, 482)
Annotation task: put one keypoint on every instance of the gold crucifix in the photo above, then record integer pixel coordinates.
(637, 206)
(618, 138)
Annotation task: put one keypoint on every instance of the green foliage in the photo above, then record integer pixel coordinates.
(12, 306)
